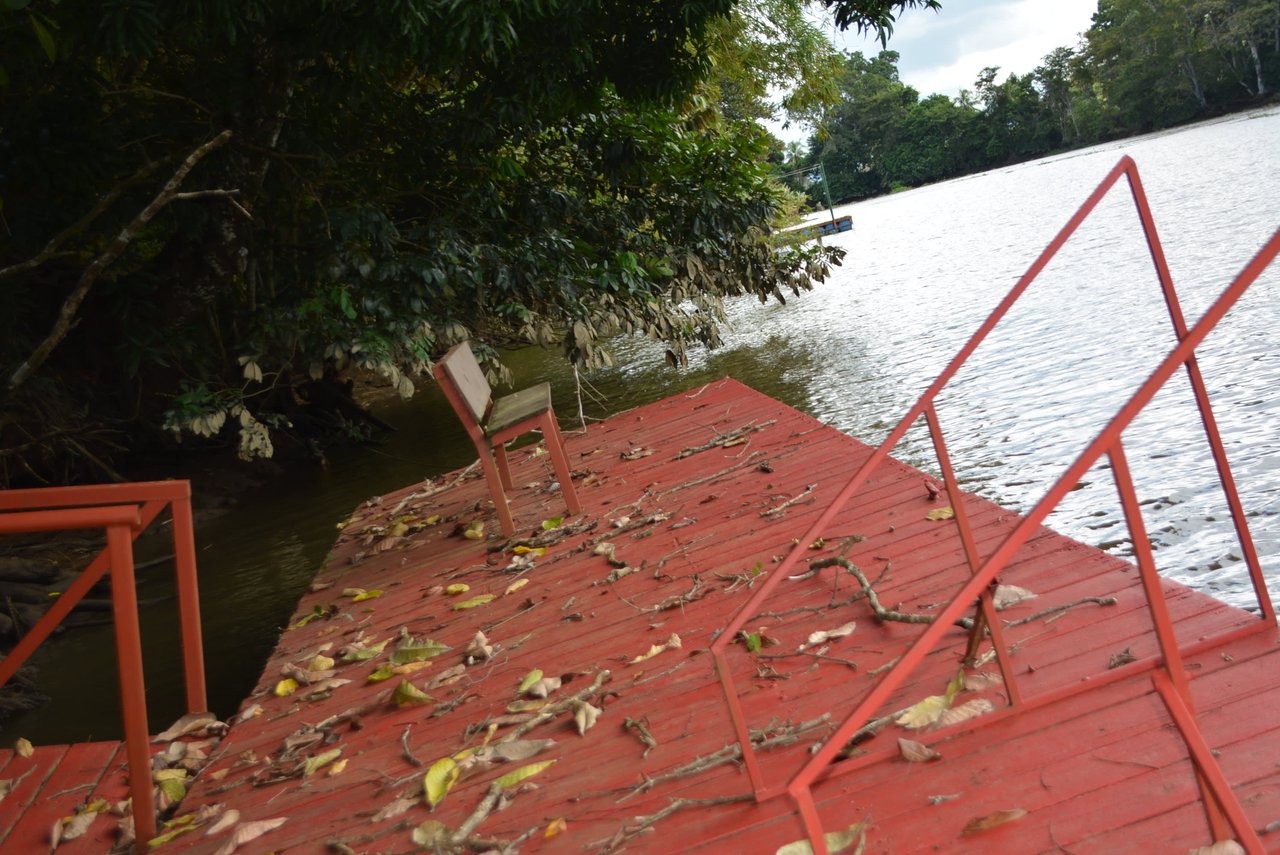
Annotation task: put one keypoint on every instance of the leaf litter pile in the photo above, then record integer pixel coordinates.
(443, 689)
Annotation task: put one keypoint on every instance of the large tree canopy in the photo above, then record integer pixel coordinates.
(212, 209)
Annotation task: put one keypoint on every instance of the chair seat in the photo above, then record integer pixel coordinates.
(517, 407)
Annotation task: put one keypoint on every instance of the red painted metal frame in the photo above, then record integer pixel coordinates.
(123, 511)
(1220, 802)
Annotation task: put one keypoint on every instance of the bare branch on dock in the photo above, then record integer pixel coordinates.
(726, 440)
(761, 740)
(755, 455)
(872, 599)
(1102, 601)
(797, 500)
(646, 823)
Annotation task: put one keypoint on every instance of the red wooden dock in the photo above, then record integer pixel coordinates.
(699, 495)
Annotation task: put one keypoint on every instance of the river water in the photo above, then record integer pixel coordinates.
(924, 268)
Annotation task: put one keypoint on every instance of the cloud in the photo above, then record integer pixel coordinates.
(942, 52)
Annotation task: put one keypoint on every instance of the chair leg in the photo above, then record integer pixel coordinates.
(504, 466)
(495, 490)
(560, 460)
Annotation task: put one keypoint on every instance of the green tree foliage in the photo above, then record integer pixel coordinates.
(214, 209)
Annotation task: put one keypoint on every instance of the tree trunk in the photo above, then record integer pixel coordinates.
(1257, 67)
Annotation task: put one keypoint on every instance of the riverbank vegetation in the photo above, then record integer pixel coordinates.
(215, 212)
(1141, 66)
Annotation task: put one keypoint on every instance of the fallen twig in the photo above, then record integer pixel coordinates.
(1102, 601)
(725, 440)
(881, 612)
(645, 823)
(641, 730)
(404, 743)
(796, 500)
(755, 455)
(761, 740)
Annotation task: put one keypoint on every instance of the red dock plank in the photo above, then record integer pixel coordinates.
(1101, 771)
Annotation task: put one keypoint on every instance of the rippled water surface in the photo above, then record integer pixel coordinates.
(924, 268)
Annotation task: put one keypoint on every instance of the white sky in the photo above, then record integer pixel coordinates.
(942, 52)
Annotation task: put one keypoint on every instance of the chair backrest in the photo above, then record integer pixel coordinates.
(459, 367)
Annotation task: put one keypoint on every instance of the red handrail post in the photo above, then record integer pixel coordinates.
(133, 697)
(184, 550)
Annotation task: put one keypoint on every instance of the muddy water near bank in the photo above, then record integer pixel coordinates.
(924, 268)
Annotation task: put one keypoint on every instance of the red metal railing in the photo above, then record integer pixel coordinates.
(123, 511)
(1169, 677)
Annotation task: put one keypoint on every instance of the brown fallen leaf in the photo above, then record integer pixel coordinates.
(965, 711)
(1010, 595)
(915, 752)
(23, 746)
(993, 820)
(189, 723)
(228, 819)
(248, 831)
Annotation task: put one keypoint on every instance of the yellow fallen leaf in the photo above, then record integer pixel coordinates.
(407, 694)
(440, 778)
(535, 551)
(515, 586)
(455, 590)
(474, 530)
(941, 514)
(367, 595)
(336, 768)
(924, 713)
(432, 520)
(23, 746)
(410, 667)
(321, 663)
(384, 672)
(286, 687)
(556, 826)
(529, 679)
(473, 602)
(554, 522)
(315, 764)
(400, 529)
(511, 779)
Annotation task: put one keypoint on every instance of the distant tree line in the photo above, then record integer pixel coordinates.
(1142, 65)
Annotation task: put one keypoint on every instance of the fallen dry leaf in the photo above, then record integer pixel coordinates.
(966, 711)
(823, 636)
(228, 819)
(248, 831)
(1010, 595)
(585, 715)
(915, 752)
(189, 723)
(941, 514)
(23, 746)
(992, 820)
(837, 841)
(1222, 847)
(556, 826)
(672, 643)
(544, 687)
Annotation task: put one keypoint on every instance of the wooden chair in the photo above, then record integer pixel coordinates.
(492, 424)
